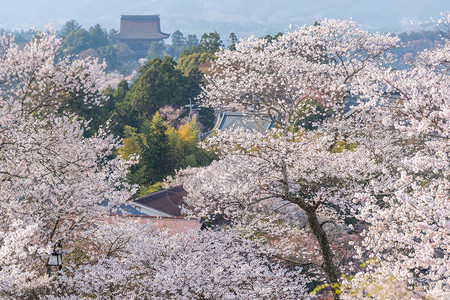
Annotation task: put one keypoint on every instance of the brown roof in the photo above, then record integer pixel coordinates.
(167, 201)
(141, 28)
(174, 224)
(129, 77)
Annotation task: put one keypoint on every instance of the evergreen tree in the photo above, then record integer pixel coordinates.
(99, 36)
(233, 41)
(156, 154)
(191, 41)
(68, 27)
(178, 40)
(159, 84)
(187, 63)
(76, 41)
(162, 149)
(210, 42)
(178, 44)
(152, 145)
(156, 50)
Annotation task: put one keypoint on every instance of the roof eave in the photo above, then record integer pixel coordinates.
(152, 209)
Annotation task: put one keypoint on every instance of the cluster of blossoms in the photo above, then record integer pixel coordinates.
(53, 177)
(135, 261)
(60, 185)
(386, 166)
(293, 196)
(409, 234)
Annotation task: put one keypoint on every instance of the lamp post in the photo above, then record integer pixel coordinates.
(55, 259)
(191, 109)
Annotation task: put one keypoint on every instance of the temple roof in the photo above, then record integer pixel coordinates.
(167, 201)
(136, 27)
(253, 122)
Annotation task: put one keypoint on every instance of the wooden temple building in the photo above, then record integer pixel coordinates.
(138, 31)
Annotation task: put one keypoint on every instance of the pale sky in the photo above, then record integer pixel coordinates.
(244, 17)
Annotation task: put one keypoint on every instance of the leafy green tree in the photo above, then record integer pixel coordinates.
(112, 32)
(20, 36)
(162, 150)
(156, 155)
(99, 36)
(109, 54)
(178, 44)
(152, 145)
(156, 50)
(117, 108)
(206, 118)
(96, 115)
(148, 189)
(187, 63)
(193, 156)
(121, 90)
(191, 41)
(233, 40)
(210, 43)
(132, 143)
(105, 46)
(76, 41)
(68, 27)
(270, 38)
(192, 57)
(159, 84)
(96, 42)
(178, 39)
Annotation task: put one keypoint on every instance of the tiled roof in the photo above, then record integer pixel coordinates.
(128, 209)
(122, 209)
(253, 122)
(174, 224)
(146, 27)
(167, 201)
(351, 102)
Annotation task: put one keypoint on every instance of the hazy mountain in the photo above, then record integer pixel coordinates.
(225, 16)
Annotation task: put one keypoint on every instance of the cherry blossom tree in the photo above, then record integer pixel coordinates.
(386, 165)
(59, 188)
(290, 196)
(305, 178)
(135, 261)
(290, 76)
(410, 225)
(54, 180)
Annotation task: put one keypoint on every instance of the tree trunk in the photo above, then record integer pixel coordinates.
(327, 255)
